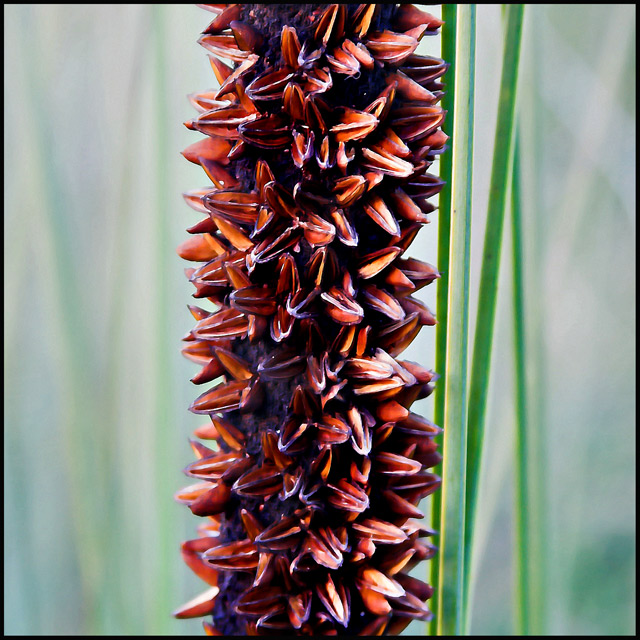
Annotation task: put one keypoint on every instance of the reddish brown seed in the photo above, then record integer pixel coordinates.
(258, 600)
(314, 113)
(227, 323)
(343, 62)
(272, 248)
(362, 19)
(213, 467)
(269, 132)
(234, 82)
(382, 302)
(317, 231)
(199, 606)
(335, 600)
(413, 91)
(212, 502)
(192, 492)
(409, 16)
(392, 48)
(223, 45)
(269, 85)
(375, 580)
(290, 434)
(257, 300)
(383, 162)
(354, 125)
(331, 24)
(194, 199)
(359, 52)
(224, 18)
(341, 307)
(416, 587)
(347, 497)
(348, 190)
(222, 398)
(345, 230)
(233, 437)
(191, 551)
(317, 81)
(424, 69)
(290, 47)
(199, 248)
(234, 556)
(282, 365)
(299, 608)
(378, 211)
(411, 306)
(294, 101)
(208, 148)
(223, 121)
(394, 464)
(367, 369)
(322, 552)
(380, 531)
(263, 481)
(377, 261)
(397, 337)
(401, 506)
(333, 430)
(240, 208)
(412, 607)
(393, 384)
(247, 38)
(281, 535)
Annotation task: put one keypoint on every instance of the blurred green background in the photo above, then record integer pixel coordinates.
(96, 392)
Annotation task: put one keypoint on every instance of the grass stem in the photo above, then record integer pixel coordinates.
(162, 601)
(450, 593)
(522, 502)
(482, 350)
(448, 45)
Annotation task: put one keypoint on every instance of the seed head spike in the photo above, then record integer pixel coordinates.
(317, 146)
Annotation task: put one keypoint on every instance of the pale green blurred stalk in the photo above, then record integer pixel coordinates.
(75, 342)
(485, 319)
(449, 590)
(529, 150)
(523, 525)
(164, 594)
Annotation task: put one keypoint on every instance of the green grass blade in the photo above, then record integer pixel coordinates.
(450, 592)
(489, 274)
(444, 232)
(523, 529)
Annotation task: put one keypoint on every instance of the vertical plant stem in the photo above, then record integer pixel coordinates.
(448, 46)
(480, 368)
(162, 604)
(451, 606)
(74, 337)
(522, 502)
(536, 330)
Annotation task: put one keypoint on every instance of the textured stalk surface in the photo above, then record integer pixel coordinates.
(451, 605)
(318, 145)
(485, 319)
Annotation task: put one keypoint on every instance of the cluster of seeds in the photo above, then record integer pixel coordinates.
(310, 497)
